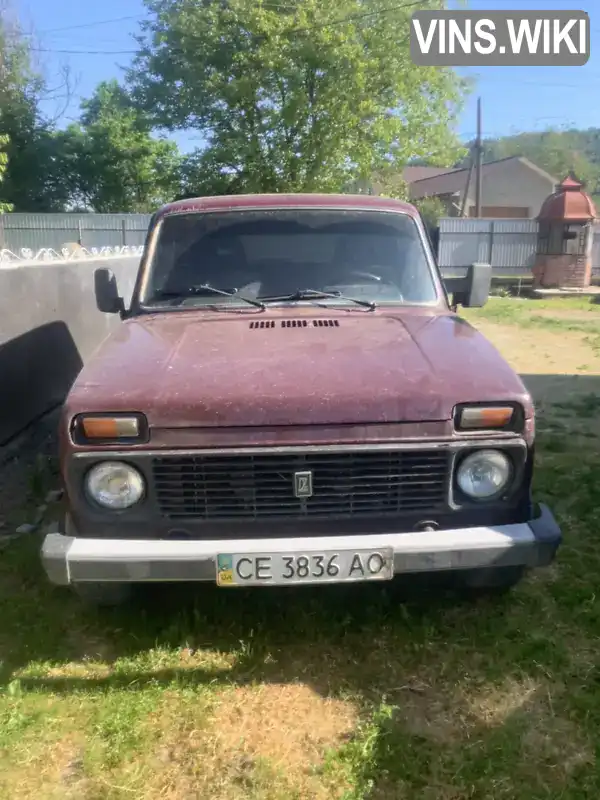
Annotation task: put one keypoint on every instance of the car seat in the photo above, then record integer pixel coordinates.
(217, 261)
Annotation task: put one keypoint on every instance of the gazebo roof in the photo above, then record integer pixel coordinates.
(569, 203)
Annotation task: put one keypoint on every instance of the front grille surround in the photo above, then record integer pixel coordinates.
(347, 484)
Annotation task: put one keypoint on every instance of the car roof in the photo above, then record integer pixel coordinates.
(357, 202)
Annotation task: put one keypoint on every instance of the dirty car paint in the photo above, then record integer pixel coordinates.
(206, 369)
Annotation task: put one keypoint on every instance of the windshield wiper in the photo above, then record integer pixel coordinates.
(316, 294)
(198, 291)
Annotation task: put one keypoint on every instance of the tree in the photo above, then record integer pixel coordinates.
(432, 209)
(18, 113)
(3, 162)
(32, 178)
(558, 152)
(295, 96)
(112, 162)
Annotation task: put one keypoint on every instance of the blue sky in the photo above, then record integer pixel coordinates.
(514, 98)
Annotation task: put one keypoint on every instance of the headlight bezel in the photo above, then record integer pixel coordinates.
(98, 504)
(512, 482)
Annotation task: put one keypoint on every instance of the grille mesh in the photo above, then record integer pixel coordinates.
(344, 484)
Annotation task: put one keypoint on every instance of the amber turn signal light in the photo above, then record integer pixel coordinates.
(483, 417)
(110, 427)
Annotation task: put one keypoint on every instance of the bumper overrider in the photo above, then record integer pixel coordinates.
(69, 558)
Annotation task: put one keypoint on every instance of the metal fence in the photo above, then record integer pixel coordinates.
(509, 245)
(55, 231)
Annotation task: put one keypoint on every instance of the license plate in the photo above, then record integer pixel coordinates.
(272, 569)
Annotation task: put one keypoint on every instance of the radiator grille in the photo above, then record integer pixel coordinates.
(344, 484)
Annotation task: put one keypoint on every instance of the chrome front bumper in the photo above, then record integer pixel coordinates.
(69, 558)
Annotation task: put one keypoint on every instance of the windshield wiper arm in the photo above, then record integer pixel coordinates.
(316, 294)
(198, 291)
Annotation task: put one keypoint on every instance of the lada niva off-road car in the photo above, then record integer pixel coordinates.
(291, 398)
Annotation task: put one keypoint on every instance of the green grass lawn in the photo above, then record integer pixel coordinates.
(329, 693)
(578, 314)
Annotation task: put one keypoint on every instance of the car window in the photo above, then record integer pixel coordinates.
(371, 255)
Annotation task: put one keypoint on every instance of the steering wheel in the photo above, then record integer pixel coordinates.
(374, 278)
(369, 275)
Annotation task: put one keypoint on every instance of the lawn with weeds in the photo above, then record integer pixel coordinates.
(402, 692)
(563, 315)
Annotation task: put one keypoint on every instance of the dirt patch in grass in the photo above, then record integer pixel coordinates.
(290, 725)
(559, 366)
(555, 366)
(532, 351)
(267, 741)
(492, 705)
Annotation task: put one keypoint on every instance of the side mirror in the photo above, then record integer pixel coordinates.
(108, 299)
(473, 290)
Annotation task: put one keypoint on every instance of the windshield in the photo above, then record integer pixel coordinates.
(275, 255)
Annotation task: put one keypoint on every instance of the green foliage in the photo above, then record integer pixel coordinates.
(298, 96)
(556, 151)
(389, 182)
(109, 161)
(3, 162)
(431, 209)
(112, 161)
(25, 148)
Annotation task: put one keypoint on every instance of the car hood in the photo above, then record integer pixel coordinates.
(190, 369)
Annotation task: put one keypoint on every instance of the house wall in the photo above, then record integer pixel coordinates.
(511, 189)
(512, 185)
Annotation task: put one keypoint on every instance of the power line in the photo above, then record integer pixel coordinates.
(306, 29)
(269, 4)
(265, 4)
(353, 17)
(88, 24)
(83, 52)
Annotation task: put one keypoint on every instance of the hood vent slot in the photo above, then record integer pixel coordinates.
(326, 323)
(263, 323)
(296, 323)
(305, 323)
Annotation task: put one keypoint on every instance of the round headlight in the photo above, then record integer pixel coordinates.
(114, 485)
(484, 474)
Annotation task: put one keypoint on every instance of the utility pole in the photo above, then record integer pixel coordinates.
(463, 205)
(478, 161)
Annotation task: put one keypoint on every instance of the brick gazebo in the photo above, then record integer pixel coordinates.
(564, 248)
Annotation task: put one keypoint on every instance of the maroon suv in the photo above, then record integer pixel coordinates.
(291, 398)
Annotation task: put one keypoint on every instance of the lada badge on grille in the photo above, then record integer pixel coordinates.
(303, 484)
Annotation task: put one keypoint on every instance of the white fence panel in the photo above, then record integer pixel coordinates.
(462, 242)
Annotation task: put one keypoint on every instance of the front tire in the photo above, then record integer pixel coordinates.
(103, 595)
